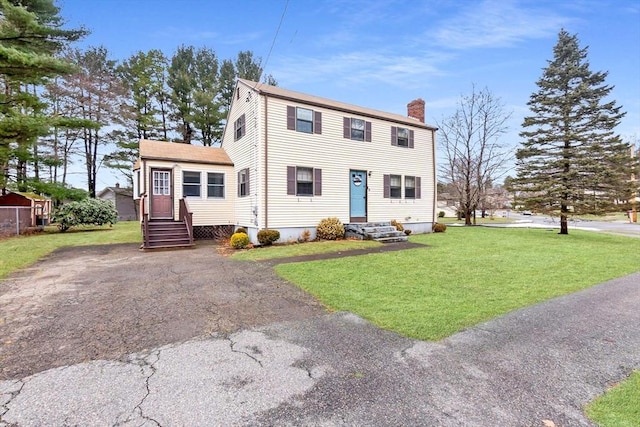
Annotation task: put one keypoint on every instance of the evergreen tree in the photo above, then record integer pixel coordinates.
(571, 159)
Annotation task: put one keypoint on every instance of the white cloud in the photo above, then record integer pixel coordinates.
(497, 23)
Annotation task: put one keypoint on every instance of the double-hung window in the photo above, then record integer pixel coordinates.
(304, 120)
(191, 184)
(215, 185)
(409, 187)
(395, 187)
(402, 137)
(356, 129)
(304, 181)
(243, 182)
(239, 128)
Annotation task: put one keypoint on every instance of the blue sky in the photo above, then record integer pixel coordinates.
(382, 54)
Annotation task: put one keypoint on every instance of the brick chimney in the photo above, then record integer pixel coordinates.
(415, 109)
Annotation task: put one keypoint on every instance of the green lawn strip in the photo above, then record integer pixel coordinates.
(464, 276)
(495, 220)
(311, 248)
(22, 251)
(619, 406)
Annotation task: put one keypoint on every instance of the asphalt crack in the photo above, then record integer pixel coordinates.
(250, 356)
(4, 408)
(148, 369)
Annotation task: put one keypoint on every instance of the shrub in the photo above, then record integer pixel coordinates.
(85, 212)
(239, 240)
(438, 227)
(407, 231)
(330, 229)
(241, 230)
(305, 236)
(441, 214)
(266, 237)
(397, 225)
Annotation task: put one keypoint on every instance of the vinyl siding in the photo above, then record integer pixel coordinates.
(205, 211)
(245, 153)
(336, 156)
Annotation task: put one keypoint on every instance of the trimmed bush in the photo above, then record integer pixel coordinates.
(305, 236)
(239, 240)
(438, 227)
(241, 230)
(85, 212)
(266, 237)
(441, 214)
(330, 229)
(397, 225)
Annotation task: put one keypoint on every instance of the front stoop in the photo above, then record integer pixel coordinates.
(168, 234)
(382, 232)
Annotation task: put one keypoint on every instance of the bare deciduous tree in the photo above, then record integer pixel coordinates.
(474, 154)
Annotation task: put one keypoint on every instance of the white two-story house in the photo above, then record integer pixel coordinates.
(299, 158)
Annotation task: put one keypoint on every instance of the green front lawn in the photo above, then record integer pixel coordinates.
(22, 251)
(464, 276)
(620, 406)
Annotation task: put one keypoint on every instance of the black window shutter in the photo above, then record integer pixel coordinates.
(291, 117)
(317, 182)
(317, 122)
(387, 186)
(394, 135)
(346, 127)
(238, 181)
(291, 180)
(248, 181)
(418, 187)
(410, 138)
(367, 131)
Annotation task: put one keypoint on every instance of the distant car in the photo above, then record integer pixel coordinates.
(526, 213)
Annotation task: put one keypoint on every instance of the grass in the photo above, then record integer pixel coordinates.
(618, 407)
(22, 251)
(465, 276)
(285, 251)
(495, 220)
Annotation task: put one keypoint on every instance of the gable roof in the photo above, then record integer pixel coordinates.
(122, 191)
(290, 95)
(178, 152)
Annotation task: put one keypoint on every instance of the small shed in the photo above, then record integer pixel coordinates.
(19, 210)
(122, 198)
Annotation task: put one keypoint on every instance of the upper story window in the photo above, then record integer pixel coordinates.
(304, 120)
(191, 184)
(215, 185)
(401, 137)
(239, 128)
(243, 182)
(356, 129)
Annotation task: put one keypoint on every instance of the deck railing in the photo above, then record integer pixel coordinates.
(187, 216)
(144, 219)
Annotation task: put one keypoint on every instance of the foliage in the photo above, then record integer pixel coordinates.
(20, 252)
(570, 159)
(619, 405)
(474, 155)
(441, 214)
(58, 192)
(439, 227)
(241, 230)
(407, 231)
(305, 236)
(239, 240)
(430, 303)
(267, 237)
(398, 225)
(330, 229)
(86, 212)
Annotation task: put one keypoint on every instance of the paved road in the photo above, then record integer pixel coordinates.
(533, 367)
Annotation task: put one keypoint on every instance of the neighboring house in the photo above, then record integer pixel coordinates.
(122, 198)
(290, 159)
(19, 211)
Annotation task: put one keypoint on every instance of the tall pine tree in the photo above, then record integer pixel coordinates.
(571, 160)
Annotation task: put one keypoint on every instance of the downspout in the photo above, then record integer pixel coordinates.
(435, 183)
(266, 163)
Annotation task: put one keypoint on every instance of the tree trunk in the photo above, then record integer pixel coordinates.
(564, 229)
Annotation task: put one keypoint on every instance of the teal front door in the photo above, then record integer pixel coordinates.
(358, 196)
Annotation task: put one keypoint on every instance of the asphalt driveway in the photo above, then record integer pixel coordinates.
(220, 360)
